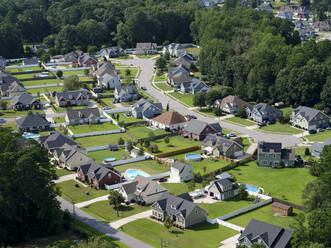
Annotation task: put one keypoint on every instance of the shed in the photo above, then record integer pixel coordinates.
(282, 209)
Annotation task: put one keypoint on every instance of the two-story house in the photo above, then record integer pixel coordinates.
(230, 104)
(82, 116)
(86, 60)
(271, 154)
(219, 146)
(143, 48)
(309, 118)
(263, 113)
(107, 76)
(33, 123)
(182, 212)
(198, 130)
(145, 109)
(174, 49)
(126, 93)
(181, 172)
(222, 189)
(72, 98)
(111, 52)
(194, 86)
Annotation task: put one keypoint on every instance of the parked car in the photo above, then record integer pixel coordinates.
(230, 135)
(106, 108)
(328, 128)
(312, 131)
(143, 88)
(193, 117)
(176, 90)
(162, 180)
(262, 124)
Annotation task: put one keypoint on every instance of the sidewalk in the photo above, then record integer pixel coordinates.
(117, 224)
(65, 178)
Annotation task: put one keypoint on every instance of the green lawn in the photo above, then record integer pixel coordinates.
(151, 167)
(206, 111)
(74, 72)
(59, 119)
(132, 70)
(176, 143)
(246, 143)
(186, 98)
(11, 125)
(211, 164)
(264, 214)
(63, 109)
(11, 113)
(41, 82)
(62, 172)
(128, 119)
(33, 68)
(147, 56)
(286, 183)
(194, 50)
(102, 140)
(163, 86)
(143, 132)
(204, 235)
(106, 126)
(240, 121)
(300, 150)
(78, 194)
(104, 212)
(161, 78)
(221, 208)
(281, 128)
(180, 188)
(45, 90)
(99, 156)
(319, 137)
(287, 110)
(31, 75)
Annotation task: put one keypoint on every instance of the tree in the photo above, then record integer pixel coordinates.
(147, 143)
(129, 146)
(115, 199)
(167, 106)
(71, 83)
(217, 111)
(242, 192)
(59, 73)
(127, 72)
(161, 63)
(166, 140)
(40, 52)
(121, 141)
(242, 112)
(258, 246)
(92, 49)
(199, 100)
(212, 95)
(3, 105)
(204, 169)
(151, 134)
(86, 72)
(307, 151)
(168, 223)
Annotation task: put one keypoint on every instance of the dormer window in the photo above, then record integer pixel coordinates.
(173, 206)
(70, 97)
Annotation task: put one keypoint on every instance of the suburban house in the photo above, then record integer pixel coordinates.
(174, 49)
(271, 154)
(285, 15)
(271, 236)
(72, 98)
(263, 113)
(184, 61)
(111, 52)
(72, 56)
(309, 118)
(71, 157)
(178, 79)
(82, 116)
(209, 3)
(323, 26)
(143, 48)
(198, 130)
(145, 109)
(56, 140)
(142, 189)
(181, 172)
(103, 63)
(182, 212)
(30, 61)
(98, 175)
(194, 86)
(221, 146)
(316, 148)
(33, 123)
(265, 7)
(2, 62)
(126, 93)
(230, 104)
(14, 89)
(86, 60)
(222, 189)
(25, 101)
(107, 76)
(35, 48)
(170, 119)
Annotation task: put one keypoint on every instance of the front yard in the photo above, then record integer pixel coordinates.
(62, 172)
(161, 78)
(102, 140)
(144, 132)
(78, 194)
(106, 126)
(99, 156)
(185, 98)
(152, 167)
(11, 113)
(240, 121)
(286, 183)
(45, 90)
(319, 137)
(280, 128)
(204, 235)
(163, 86)
(107, 213)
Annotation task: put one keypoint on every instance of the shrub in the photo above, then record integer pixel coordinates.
(307, 151)
(217, 111)
(281, 165)
(242, 193)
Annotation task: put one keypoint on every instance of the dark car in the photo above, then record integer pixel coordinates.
(143, 88)
(162, 179)
(193, 117)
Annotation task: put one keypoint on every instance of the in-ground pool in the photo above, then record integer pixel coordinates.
(193, 157)
(252, 188)
(31, 136)
(131, 174)
(108, 160)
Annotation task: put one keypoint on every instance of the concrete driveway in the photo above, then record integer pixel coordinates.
(230, 242)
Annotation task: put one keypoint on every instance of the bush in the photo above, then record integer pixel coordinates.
(217, 111)
(242, 193)
(147, 143)
(281, 165)
(242, 112)
(307, 151)
(59, 74)
(121, 141)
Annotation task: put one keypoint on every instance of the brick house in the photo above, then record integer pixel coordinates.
(198, 130)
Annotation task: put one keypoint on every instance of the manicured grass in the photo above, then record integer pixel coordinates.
(144, 132)
(204, 235)
(41, 82)
(11, 113)
(300, 150)
(62, 172)
(102, 140)
(319, 137)
(186, 98)
(100, 155)
(59, 119)
(128, 119)
(180, 188)
(30, 75)
(107, 213)
(246, 144)
(63, 109)
(281, 128)
(11, 125)
(163, 86)
(74, 72)
(240, 121)
(197, 74)
(132, 70)
(78, 194)
(45, 90)
(204, 166)
(286, 183)
(124, 57)
(23, 69)
(194, 50)
(264, 214)
(106, 126)
(287, 110)
(206, 111)
(221, 208)
(151, 167)
(147, 56)
(160, 78)
(176, 143)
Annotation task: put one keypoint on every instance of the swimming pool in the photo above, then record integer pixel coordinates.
(31, 136)
(108, 160)
(131, 174)
(252, 188)
(193, 157)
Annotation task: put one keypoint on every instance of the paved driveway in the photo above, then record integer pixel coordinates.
(230, 242)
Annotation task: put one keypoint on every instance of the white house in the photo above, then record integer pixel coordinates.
(309, 118)
(181, 172)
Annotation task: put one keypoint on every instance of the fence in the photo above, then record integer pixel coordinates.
(168, 154)
(97, 148)
(289, 203)
(36, 78)
(80, 135)
(158, 137)
(135, 123)
(128, 161)
(230, 225)
(118, 110)
(26, 72)
(42, 86)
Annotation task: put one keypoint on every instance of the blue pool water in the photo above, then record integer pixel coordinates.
(252, 188)
(193, 157)
(132, 173)
(31, 136)
(107, 160)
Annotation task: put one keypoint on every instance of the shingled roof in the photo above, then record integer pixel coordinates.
(32, 120)
(170, 118)
(306, 112)
(56, 140)
(74, 114)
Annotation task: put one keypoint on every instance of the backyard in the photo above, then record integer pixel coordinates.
(240, 121)
(23, 69)
(194, 50)
(100, 155)
(144, 132)
(204, 235)
(45, 90)
(40, 82)
(281, 128)
(32, 75)
(106, 126)
(152, 167)
(319, 137)
(276, 181)
(180, 188)
(107, 213)
(79, 194)
(102, 140)
(11, 113)
(185, 98)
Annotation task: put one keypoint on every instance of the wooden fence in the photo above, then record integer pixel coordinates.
(288, 203)
(173, 153)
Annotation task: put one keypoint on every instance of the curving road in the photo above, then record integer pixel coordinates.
(147, 66)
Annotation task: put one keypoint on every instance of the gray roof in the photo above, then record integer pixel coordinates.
(181, 166)
(85, 57)
(265, 109)
(56, 140)
(221, 143)
(268, 146)
(32, 120)
(318, 147)
(221, 182)
(146, 45)
(111, 51)
(24, 98)
(72, 95)
(306, 112)
(288, 154)
(196, 126)
(74, 114)
(127, 89)
(143, 186)
(143, 104)
(273, 236)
